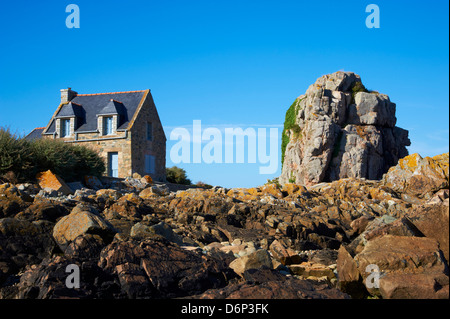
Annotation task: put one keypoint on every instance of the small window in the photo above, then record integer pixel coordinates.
(107, 125)
(149, 131)
(65, 127)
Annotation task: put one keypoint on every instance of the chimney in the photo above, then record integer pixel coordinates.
(67, 95)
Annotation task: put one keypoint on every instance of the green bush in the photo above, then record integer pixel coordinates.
(273, 181)
(27, 158)
(70, 161)
(89, 162)
(177, 175)
(15, 154)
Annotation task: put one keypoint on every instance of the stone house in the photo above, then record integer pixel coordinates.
(124, 127)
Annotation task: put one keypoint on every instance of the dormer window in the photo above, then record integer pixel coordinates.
(68, 118)
(109, 118)
(107, 125)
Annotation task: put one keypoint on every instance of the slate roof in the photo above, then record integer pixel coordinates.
(87, 106)
(113, 107)
(35, 134)
(69, 110)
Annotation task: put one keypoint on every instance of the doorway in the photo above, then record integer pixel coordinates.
(113, 164)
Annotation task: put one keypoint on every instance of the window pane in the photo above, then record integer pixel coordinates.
(149, 131)
(65, 129)
(107, 125)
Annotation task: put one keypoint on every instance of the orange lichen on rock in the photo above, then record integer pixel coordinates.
(148, 179)
(410, 162)
(419, 176)
(52, 181)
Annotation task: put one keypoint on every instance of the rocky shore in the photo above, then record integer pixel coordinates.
(350, 238)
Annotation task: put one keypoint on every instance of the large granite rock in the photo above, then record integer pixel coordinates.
(408, 267)
(417, 176)
(77, 223)
(339, 129)
(159, 269)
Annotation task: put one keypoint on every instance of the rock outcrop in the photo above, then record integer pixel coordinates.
(339, 129)
(417, 176)
(271, 241)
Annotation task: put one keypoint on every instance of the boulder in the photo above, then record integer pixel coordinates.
(417, 176)
(414, 286)
(78, 223)
(309, 269)
(360, 224)
(325, 257)
(138, 182)
(47, 280)
(130, 207)
(107, 197)
(93, 182)
(400, 257)
(147, 179)
(433, 222)
(85, 247)
(349, 278)
(155, 190)
(142, 231)
(255, 260)
(284, 254)
(159, 269)
(339, 129)
(45, 209)
(109, 193)
(52, 181)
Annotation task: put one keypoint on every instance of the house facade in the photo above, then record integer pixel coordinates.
(124, 127)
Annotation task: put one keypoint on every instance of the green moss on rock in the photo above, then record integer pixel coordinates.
(289, 123)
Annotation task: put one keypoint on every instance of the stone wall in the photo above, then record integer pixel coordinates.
(121, 143)
(141, 146)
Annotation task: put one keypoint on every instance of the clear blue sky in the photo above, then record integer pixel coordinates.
(226, 63)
